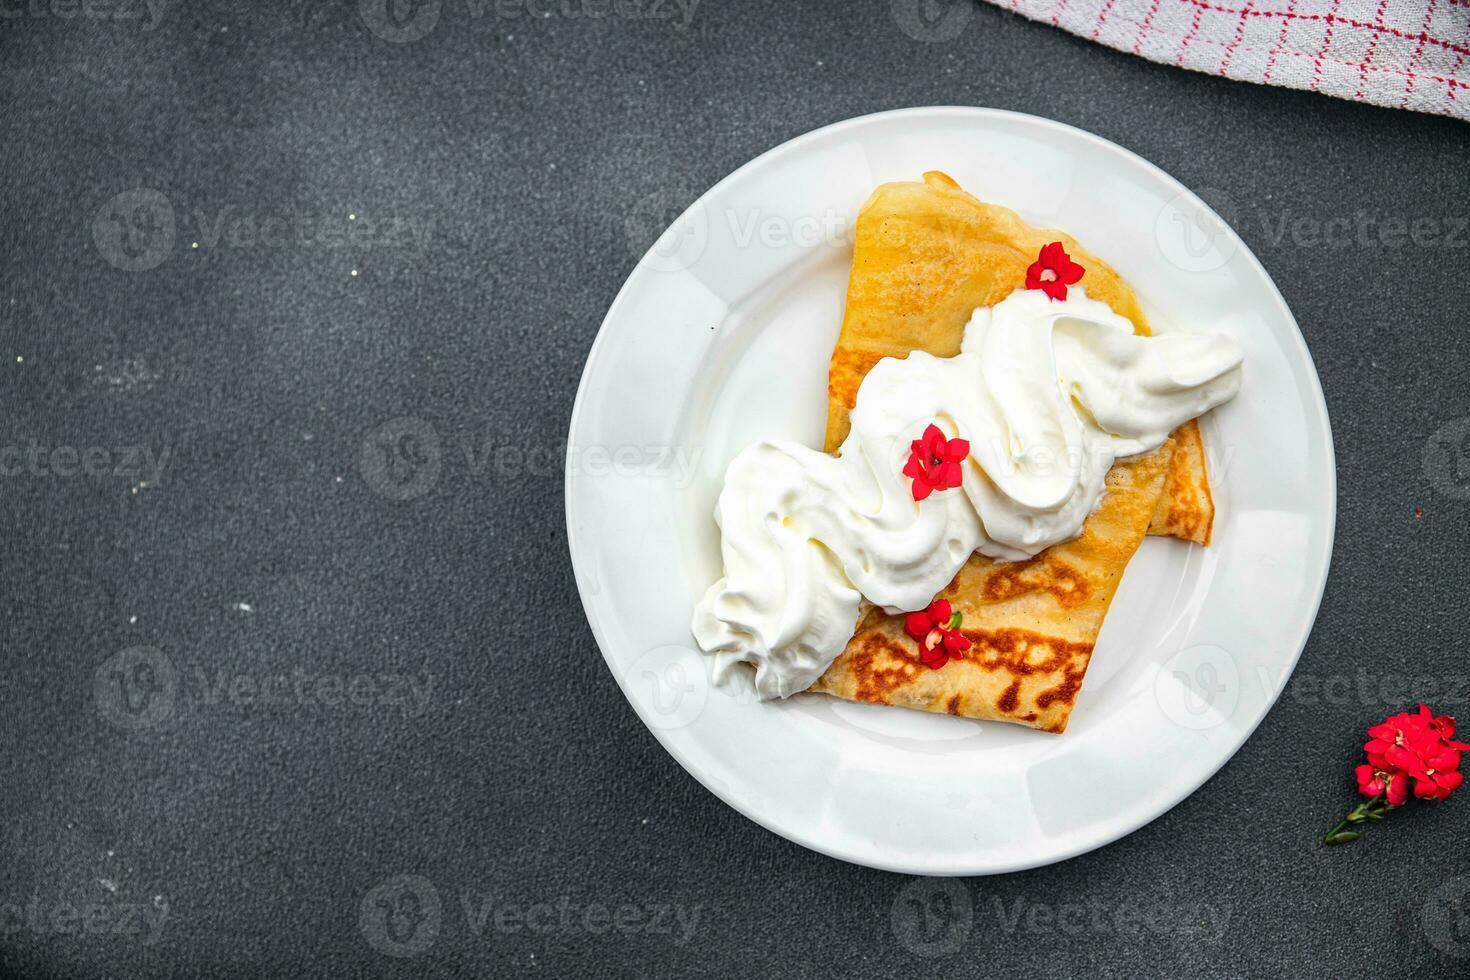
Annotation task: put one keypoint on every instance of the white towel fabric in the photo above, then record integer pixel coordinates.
(1408, 54)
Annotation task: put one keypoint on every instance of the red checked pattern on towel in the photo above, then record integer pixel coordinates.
(1407, 54)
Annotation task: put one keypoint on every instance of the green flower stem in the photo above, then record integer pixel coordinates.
(1374, 810)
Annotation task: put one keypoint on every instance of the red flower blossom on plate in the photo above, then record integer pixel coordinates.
(1407, 751)
(937, 631)
(1053, 271)
(934, 462)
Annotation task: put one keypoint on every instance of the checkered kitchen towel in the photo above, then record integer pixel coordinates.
(1409, 54)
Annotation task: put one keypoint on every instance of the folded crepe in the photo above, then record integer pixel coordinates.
(926, 254)
(1031, 624)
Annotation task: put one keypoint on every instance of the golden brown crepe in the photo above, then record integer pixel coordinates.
(925, 256)
(1186, 509)
(1032, 624)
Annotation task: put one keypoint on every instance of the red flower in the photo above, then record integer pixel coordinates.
(934, 462)
(1414, 747)
(1053, 271)
(937, 631)
(1370, 780)
(1406, 750)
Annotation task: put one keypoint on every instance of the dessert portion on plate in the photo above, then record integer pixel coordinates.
(1006, 431)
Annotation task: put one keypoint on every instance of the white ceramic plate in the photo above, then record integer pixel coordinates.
(722, 335)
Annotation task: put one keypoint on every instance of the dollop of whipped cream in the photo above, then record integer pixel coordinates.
(1049, 393)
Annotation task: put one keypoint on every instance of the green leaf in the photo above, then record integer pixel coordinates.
(1343, 837)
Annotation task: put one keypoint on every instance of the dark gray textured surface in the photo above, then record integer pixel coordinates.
(252, 833)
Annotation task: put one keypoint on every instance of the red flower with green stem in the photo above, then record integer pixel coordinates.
(937, 631)
(1407, 754)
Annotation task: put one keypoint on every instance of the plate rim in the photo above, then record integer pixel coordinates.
(1084, 842)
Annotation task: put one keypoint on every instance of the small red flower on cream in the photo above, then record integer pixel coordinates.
(934, 462)
(1053, 271)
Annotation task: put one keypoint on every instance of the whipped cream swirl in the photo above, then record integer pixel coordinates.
(1049, 393)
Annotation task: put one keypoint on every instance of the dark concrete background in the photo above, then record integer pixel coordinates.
(158, 820)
